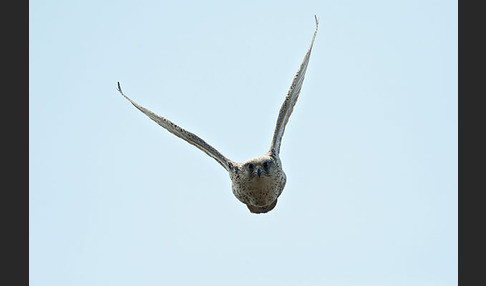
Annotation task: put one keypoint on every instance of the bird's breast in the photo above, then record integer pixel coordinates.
(259, 191)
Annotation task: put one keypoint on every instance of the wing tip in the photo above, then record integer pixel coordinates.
(119, 87)
(121, 92)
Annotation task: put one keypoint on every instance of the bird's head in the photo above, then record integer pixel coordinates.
(259, 167)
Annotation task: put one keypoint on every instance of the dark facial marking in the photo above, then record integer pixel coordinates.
(265, 165)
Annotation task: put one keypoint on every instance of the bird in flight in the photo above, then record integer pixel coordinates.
(259, 181)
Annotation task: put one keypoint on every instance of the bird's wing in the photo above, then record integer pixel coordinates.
(180, 132)
(290, 100)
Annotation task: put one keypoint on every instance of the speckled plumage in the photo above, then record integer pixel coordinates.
(259, 181)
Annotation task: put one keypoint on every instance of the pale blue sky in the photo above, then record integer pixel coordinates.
(370, 151)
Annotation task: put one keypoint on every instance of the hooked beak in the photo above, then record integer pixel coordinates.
(259, 172)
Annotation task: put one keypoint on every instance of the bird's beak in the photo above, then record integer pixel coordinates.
(259, 171)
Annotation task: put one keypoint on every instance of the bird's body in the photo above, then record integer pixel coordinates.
(259, 181)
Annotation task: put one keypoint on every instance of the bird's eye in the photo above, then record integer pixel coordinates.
(265, 165)
(250, 166)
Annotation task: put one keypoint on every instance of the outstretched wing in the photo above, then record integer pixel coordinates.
(191, 138)
(290, 100)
